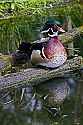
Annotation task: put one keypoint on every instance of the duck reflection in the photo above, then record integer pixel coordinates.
(31, 98)
(57, 90)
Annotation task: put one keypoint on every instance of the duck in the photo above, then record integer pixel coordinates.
(53, 53)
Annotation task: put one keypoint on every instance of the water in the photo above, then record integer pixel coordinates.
(56, 102)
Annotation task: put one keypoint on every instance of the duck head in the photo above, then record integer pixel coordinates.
(52, 28)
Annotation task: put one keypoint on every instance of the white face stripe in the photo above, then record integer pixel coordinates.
(45, 31)
(54, 34)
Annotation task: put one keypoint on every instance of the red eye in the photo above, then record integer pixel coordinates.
(50, 31)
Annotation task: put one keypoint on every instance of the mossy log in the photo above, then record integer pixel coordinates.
(75, 33)
(35, 76)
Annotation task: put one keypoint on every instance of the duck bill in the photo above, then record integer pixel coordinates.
(61, 30)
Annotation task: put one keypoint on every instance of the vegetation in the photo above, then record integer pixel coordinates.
(23, 19)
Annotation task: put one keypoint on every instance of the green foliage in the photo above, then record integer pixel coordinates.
(23, 20)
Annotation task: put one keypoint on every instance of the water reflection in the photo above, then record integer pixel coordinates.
(57, 90)
(46, 104)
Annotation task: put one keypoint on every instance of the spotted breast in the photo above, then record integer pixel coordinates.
(55, 52)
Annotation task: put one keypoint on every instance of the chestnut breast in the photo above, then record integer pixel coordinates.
(53, 48)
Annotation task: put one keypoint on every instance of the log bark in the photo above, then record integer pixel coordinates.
(75, 33)
(35, 76)
(70, 45)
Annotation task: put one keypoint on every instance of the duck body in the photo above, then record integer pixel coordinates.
(54, 54)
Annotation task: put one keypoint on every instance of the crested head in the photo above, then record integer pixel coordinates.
(52, 28)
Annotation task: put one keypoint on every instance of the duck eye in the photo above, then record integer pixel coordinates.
(50, 31)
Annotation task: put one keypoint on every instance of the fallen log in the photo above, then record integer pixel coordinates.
(35, 76)
(75, 33)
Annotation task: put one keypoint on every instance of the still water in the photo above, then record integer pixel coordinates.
(57, 102)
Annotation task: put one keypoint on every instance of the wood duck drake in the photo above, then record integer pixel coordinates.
(53, 52)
